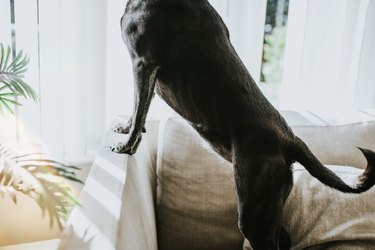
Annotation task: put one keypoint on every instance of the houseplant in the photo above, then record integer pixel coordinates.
(24, 167)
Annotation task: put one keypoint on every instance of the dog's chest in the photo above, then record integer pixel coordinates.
(171, 98)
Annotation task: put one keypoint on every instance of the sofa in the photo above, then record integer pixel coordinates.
(175, 193)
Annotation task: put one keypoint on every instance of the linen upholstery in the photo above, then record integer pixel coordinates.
(320, 218)
(196, 202)
(196, 206)
(117, 200)
(316, 214)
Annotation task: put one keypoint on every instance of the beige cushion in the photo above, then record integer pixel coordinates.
(196, 207)
(196, 204)
(333, 138)
(316, 214)
(318, 217)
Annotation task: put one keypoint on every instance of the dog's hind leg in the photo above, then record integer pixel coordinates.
(263, 183)
(144, 84)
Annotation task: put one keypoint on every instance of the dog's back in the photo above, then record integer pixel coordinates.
(201, 76)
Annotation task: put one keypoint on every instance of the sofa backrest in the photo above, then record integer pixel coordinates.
(196, 201)
(333, 137)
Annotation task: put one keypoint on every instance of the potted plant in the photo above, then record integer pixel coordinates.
(24, 167)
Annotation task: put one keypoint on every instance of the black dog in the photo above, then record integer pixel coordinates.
(182, 49)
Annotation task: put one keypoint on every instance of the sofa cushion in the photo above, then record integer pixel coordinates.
(196, 202)
(196, 206)
(333, 138)
(317, 215)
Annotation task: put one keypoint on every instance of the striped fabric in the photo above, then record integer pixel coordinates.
(117, 209)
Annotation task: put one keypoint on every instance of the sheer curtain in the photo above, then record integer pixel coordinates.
(329, 62)
(66, 41)
(245, 20)
(83, 73)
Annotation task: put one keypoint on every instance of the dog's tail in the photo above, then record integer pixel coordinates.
(303, 155)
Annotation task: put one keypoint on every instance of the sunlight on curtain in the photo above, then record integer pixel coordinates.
(324, 54)
(73, 62)
(365, 91)
(82, 70)
(245, 20)
(65, 40)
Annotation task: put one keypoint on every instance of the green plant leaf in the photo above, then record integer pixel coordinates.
(11, 101)
(5, 55)
(11, 76)
(6, 105)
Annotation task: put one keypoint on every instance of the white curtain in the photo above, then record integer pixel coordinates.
(83, 73)
(245, 20)
(327, 58)
(365, 90)
(66, 41)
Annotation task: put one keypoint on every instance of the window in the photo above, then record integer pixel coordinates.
(274, 47)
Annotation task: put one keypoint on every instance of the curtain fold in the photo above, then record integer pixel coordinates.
(323, 52)
(82, 70)
(66, 42)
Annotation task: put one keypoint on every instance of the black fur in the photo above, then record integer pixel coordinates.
(181, 48)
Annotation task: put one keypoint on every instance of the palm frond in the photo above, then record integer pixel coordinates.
(11, 77)
(57, 201)
(5, 102)
(36, 174)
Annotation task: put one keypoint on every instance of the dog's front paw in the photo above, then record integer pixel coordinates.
(129, 148)
(122, 128)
